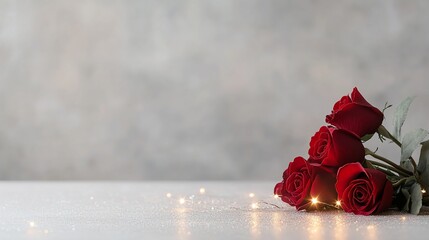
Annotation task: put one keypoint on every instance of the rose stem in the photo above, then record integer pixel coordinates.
(399, 182)
(396, 141)
(369, 152)
(400, 172)
(387, 172)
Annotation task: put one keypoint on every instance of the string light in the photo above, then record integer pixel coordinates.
(251, 195)
(181, 200)
(276, 196)
(254, 205)
(202, 190)
(32, 224)
(168, 195)
(423, 191)
(314, 201)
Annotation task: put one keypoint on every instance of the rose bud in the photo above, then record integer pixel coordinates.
(362, 190)
(354, 114)
(304, 182)
(335, 147)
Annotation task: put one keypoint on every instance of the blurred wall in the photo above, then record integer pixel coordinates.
(194, 89)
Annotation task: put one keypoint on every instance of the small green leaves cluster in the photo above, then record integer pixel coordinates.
(410, 179)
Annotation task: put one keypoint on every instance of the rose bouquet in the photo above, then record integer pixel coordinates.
(341, 173)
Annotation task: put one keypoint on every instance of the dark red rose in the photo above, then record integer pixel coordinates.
(355, 115)
(296, 184)
(303, 181)
(335, 147)
(362, 190)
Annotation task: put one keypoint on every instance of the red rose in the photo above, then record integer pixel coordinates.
(335, 147)
(303, 181)
(363, 191)
(355, 115)
(296, 184)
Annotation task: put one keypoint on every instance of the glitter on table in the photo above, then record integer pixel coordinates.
(181, 210)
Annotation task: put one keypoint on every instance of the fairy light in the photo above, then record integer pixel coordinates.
(168, 195)
(251, 195)
(202, 190)
(276, 196)
(254, 206)
(32, 224)
(181, 200)
(314, 201)
(423, 191)
(338, 203)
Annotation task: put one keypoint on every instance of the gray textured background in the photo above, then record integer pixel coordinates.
(213, 89)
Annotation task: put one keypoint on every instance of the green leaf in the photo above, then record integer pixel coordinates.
(400, 116)
(407, 165)
(423, 165)
(411, 141)
(404, 196)
(410, 181)
(416, 199)
(407, 196)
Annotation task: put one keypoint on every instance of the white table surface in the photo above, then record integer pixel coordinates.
(141, 210)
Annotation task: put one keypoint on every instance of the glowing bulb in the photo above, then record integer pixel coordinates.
(202, 190)
(276, 196)
(32, 224)
(423, 191)
(251, 195)
(254, 205)
(46, 231)
(181, 200)
(403, 218)
(168, 195)
(338, 203)
(314, 201)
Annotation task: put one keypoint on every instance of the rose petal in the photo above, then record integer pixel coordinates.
(278, 189)
(355, 114)
(357, 97)
(378, 180)
(323, 186)
(386, 198)
(347, 173)
(319, 145)
(346, 148)
(358, 119)
(343, 101)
